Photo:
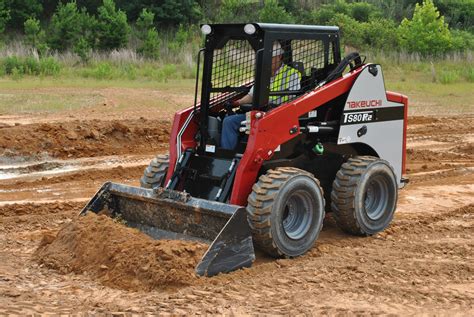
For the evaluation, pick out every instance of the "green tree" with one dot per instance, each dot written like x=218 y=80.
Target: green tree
x=457 y=13
x=83 y=49
x=147 y=33
x=151 y=45
x=359 y=11
x=426 y=32
x=33 y=32
x=322 y=16
x=35 y=35
x=272 y=12
x=180 y=38
x=4 y=15
x=168 y=13
x=463 y=40
x=395 y=9
x=363 y=11
x=351 y=30
x=69 y=24
x=21 y=10
x=113 y=29
x=380 y=34
x=238 y=11
x=144 y=23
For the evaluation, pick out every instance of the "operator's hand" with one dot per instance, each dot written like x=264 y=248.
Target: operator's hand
x=230 y=105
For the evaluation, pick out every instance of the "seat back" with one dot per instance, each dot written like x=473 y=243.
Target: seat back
x=299 y=66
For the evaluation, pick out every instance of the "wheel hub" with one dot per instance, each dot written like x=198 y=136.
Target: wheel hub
x=297 y=216
x=376 y=197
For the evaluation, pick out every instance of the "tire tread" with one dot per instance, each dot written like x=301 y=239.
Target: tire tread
x=155 y=171
x=260 y=203
x=344 y=190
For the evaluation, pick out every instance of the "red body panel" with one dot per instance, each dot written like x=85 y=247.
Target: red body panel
x=187 y=139
x=274 y=128
x=399 y=98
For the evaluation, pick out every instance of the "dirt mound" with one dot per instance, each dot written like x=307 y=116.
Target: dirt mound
x=11 y=210
x=120 y=257
x=84 y=138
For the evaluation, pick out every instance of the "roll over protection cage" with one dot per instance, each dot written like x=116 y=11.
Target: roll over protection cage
x=261 y=42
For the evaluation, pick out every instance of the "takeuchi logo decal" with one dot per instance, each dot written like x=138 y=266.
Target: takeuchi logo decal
x=364 y=104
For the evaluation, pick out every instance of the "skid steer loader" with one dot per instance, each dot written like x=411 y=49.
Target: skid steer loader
x=337 y=143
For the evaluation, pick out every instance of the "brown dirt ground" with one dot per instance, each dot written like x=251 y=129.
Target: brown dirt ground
x=422 y=264
x=83 y=138
x=118 y=256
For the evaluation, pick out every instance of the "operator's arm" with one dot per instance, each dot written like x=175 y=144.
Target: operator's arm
x=244 y=100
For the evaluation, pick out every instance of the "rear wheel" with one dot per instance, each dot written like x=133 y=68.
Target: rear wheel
x=364 y=195
x=155 y=173
x=286 y=211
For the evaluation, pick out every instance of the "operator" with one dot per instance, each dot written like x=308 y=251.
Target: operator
x=283 y=78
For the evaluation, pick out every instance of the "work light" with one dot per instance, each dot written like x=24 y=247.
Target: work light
x=249 y=29
x=206 y=29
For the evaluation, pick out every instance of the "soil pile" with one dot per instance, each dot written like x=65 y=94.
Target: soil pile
x=84 y=138
x=119 y=256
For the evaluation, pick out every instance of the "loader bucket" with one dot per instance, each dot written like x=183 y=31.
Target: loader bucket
x=168 y=214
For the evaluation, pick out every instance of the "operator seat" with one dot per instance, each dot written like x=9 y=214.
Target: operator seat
x=299 y=66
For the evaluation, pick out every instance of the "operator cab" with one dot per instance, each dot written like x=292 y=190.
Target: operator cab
x=237 y=57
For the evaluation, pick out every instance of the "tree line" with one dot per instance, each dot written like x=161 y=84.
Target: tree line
x=428 y=27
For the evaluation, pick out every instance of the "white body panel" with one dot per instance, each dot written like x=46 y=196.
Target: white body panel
x=383 y=134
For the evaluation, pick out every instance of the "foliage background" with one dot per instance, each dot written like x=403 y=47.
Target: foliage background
x=107 y=38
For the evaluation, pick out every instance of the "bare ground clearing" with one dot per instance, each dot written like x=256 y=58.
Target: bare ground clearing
x=422 y=264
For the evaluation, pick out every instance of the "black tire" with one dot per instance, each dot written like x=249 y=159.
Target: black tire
x=286 y=211
x=155 y=173
x=364 y=195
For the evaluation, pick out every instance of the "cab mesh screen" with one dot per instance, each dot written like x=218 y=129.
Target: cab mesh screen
x=307 y=58
x=308 y=52
x=233 y=69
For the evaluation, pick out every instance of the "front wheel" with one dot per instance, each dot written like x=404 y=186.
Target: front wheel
x=155 y=173
x=286 y=211
x=364 y=195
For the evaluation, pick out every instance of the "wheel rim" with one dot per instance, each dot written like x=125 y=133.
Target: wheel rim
x=376 y=197
x=297 y=216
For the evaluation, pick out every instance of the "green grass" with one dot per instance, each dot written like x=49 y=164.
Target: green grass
x=33 y=94
x=14 y=102
x=433 y=88
x=32 y=82
x=427 y=98
x=17 y=67
x=440 y=87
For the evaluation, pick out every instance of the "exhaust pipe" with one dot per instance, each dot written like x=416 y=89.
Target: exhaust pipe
x=168 y=214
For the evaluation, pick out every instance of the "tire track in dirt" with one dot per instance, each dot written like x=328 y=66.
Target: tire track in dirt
x=83 y=178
